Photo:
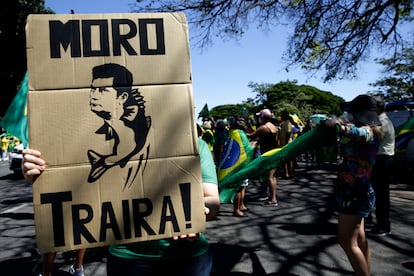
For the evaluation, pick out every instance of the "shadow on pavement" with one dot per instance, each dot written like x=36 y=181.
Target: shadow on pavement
x=409 y=265
x=227 y=256
x=18 y=216
x=32 y=265
x=22 y=266
x=12 y=176
x=311 y=228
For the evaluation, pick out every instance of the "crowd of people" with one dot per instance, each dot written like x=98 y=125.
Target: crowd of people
x=365 y=138
x=266 y=131
x=366 y=141
x=8 y=142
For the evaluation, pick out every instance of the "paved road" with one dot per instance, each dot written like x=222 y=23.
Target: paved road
x=295 y=238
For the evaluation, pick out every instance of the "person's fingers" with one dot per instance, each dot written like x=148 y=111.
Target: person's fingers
x=33 y=152
x=190 y=236
x=32 y=157
x=30 y=171
x=32 y=164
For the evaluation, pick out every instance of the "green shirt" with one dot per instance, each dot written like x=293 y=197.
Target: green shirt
x=169 y=248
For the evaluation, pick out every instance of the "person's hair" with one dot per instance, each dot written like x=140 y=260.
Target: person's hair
x=377 y=130
x=380 y=104
x=122 y=82
x=199 y=130
x=220 y=125
x=122 y=76
x=284 y=113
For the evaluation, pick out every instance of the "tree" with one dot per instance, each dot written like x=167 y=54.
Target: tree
x=13 y=14
x=398 y=80
x=330 y=36
x=303 y=100
x=226 y=110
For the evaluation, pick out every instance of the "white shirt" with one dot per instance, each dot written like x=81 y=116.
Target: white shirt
x=387 y=144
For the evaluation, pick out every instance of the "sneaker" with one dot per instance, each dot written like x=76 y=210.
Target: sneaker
x=379 y=232
x=263 y=198
x=76 y=271
x=268 y=203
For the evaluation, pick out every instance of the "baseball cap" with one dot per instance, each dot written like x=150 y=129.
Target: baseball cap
x=364 y=110
x=265 y=113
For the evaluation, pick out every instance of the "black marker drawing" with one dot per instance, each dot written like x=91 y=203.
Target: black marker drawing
x=123 y=111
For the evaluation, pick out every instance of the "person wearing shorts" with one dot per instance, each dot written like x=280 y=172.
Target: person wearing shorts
x=359 y=143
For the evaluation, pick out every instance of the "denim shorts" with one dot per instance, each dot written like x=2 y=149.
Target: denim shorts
x=357 y=199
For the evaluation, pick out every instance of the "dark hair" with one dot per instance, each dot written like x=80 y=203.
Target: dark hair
x=380 y=104
x=122 y=76
x=199 y=130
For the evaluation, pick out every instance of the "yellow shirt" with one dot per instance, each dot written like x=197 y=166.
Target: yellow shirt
x=4 y=143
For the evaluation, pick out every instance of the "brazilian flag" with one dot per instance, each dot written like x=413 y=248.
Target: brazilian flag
x=317 y=137
x=403 y=134
x=237 y=154
x=15 y=119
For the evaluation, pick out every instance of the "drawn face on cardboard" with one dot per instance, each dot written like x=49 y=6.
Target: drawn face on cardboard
x=104 y=100
x=125 y=124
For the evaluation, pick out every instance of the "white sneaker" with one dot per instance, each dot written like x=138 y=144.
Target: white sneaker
x=76 y=271
x=268 y=203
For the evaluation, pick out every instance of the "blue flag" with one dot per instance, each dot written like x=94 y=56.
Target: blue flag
x=15 y=119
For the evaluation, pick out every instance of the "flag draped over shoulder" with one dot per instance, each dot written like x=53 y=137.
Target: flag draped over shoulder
x=204 y=112
x=403 y=134
x=237 y=154
x=319 y=136
x=15 y=119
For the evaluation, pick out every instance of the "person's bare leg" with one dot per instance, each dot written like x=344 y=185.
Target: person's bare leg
x=48 y=261
x=271 y=178
x=349 y=230
x=242 y=195
x=236 y=211
x=363 y=244
x=287 y=170
x=292 y=168
x=80 y=254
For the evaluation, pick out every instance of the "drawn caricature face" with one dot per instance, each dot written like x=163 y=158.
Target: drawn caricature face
x=125 y=125
x=104 y=100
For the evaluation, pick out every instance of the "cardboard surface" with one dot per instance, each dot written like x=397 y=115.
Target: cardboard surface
x=65 y=120
x=61 y=49
x=73 y=214
x=110 y=107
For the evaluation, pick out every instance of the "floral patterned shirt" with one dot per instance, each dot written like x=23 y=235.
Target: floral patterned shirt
x=359 y=148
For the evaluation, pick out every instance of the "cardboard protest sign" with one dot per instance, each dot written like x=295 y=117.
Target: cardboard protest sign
x=110 y=107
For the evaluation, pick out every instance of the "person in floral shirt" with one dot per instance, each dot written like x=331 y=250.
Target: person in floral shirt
x=359 y=142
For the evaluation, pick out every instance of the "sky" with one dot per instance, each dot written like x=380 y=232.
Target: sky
x=221 y=72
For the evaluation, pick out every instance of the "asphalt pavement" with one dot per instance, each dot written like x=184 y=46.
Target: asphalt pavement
x=298 y=237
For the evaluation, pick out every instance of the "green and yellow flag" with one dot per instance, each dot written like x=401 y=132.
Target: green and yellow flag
x=317 y=137
x=15 y=119
x=237 y=154
x=204 y=112
x=403 y=134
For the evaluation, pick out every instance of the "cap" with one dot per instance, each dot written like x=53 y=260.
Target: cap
x=265 y=113
x=364 y=110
